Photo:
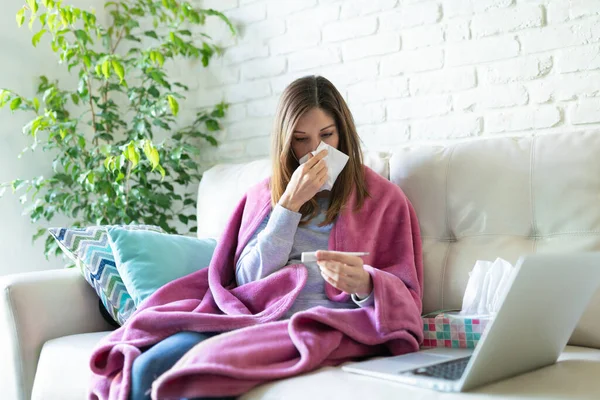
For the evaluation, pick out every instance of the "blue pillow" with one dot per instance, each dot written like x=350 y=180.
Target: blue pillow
x=148 y=260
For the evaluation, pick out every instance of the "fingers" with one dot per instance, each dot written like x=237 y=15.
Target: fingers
x=338 y=281
x=319 y=167
x=318 y=174
x=323 y=179
x=325 y=255
x=336 y=267
x=312 y=161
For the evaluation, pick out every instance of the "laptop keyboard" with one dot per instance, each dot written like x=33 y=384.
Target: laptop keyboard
x=449 y=370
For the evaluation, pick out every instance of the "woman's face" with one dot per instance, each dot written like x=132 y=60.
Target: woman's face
x=312 y=128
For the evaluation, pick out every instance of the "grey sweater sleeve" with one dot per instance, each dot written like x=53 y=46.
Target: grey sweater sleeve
x=269 y=248
x=366 y=302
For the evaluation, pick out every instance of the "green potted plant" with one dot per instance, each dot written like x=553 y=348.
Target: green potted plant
x=108 y=167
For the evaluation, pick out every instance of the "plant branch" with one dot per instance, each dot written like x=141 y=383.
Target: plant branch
x=119 y=38
x=127 y=185
x=89 y=85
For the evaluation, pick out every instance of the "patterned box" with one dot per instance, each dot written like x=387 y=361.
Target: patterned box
x=446 y=330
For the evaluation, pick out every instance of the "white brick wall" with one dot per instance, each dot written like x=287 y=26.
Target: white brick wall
x=411 y=70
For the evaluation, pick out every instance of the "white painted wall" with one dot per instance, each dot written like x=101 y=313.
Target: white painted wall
x=412 y=70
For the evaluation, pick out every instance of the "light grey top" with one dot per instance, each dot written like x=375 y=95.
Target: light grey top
x=280 y=241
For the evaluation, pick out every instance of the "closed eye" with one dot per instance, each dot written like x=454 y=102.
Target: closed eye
x=326 y=135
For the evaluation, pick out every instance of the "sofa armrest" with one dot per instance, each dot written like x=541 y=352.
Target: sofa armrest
x=34 y=308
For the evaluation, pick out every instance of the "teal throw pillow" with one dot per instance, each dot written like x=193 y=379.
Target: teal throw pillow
x=148 y=260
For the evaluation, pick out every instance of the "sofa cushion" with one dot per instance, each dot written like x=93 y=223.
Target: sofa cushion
x=147 y=260
x=63 y=370
x=63 y=374
x=502 y=197
x=89 y=249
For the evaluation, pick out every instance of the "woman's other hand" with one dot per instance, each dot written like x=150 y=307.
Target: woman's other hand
x=305 y=182
x=345 y=272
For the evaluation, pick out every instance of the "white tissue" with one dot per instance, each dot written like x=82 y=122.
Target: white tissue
x=335 y=161
x=488 y=283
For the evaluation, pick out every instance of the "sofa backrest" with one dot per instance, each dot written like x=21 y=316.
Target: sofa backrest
x=476 y=200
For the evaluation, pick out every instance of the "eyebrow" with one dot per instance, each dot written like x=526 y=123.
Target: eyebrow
x=322 y=129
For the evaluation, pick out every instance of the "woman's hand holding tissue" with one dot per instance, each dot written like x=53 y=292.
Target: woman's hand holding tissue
x=345 y=272
x=305 y=182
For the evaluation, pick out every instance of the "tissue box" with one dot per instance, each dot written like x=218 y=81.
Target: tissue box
x=452 y=331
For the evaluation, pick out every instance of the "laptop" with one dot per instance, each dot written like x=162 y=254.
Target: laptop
x=547 y=296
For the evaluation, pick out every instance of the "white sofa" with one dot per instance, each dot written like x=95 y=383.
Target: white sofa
x=477 y=199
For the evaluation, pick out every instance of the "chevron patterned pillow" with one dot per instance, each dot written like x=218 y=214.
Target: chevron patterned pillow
x=90 y=249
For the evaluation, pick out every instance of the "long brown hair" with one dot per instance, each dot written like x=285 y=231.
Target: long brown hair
x=299 y=97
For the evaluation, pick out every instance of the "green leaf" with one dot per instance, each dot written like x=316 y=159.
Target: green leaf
x=108 y=162
x=32 y=20
x=185 y=32
x=211 y=140
x=219 y=111
x=17 y=184
x=36 y=104
x=132 y=154
x=212 y=125
x=161 y=170
x=106 y=69
x=119 y=70
x=222 y=17
x=151 y=154
x=183 y=219
x=133 y=38
x=37 y=37
x=51 y=20
x=21 y=17
x=157 y=57
x=15 y=103
x=194 y=17
x=82 y=35
x=151 y=34
x=33 y=5
x=4 y=97
x=105 y=136
x=181 y=85
x=75 y=98
x=87 y=61
x=173 y=104
x=153 y=91
x=39 y=234
x=161 y=123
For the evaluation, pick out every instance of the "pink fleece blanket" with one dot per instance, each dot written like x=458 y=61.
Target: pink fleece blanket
x=258 y=347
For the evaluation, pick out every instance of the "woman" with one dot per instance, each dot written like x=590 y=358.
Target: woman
x=274 y=224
